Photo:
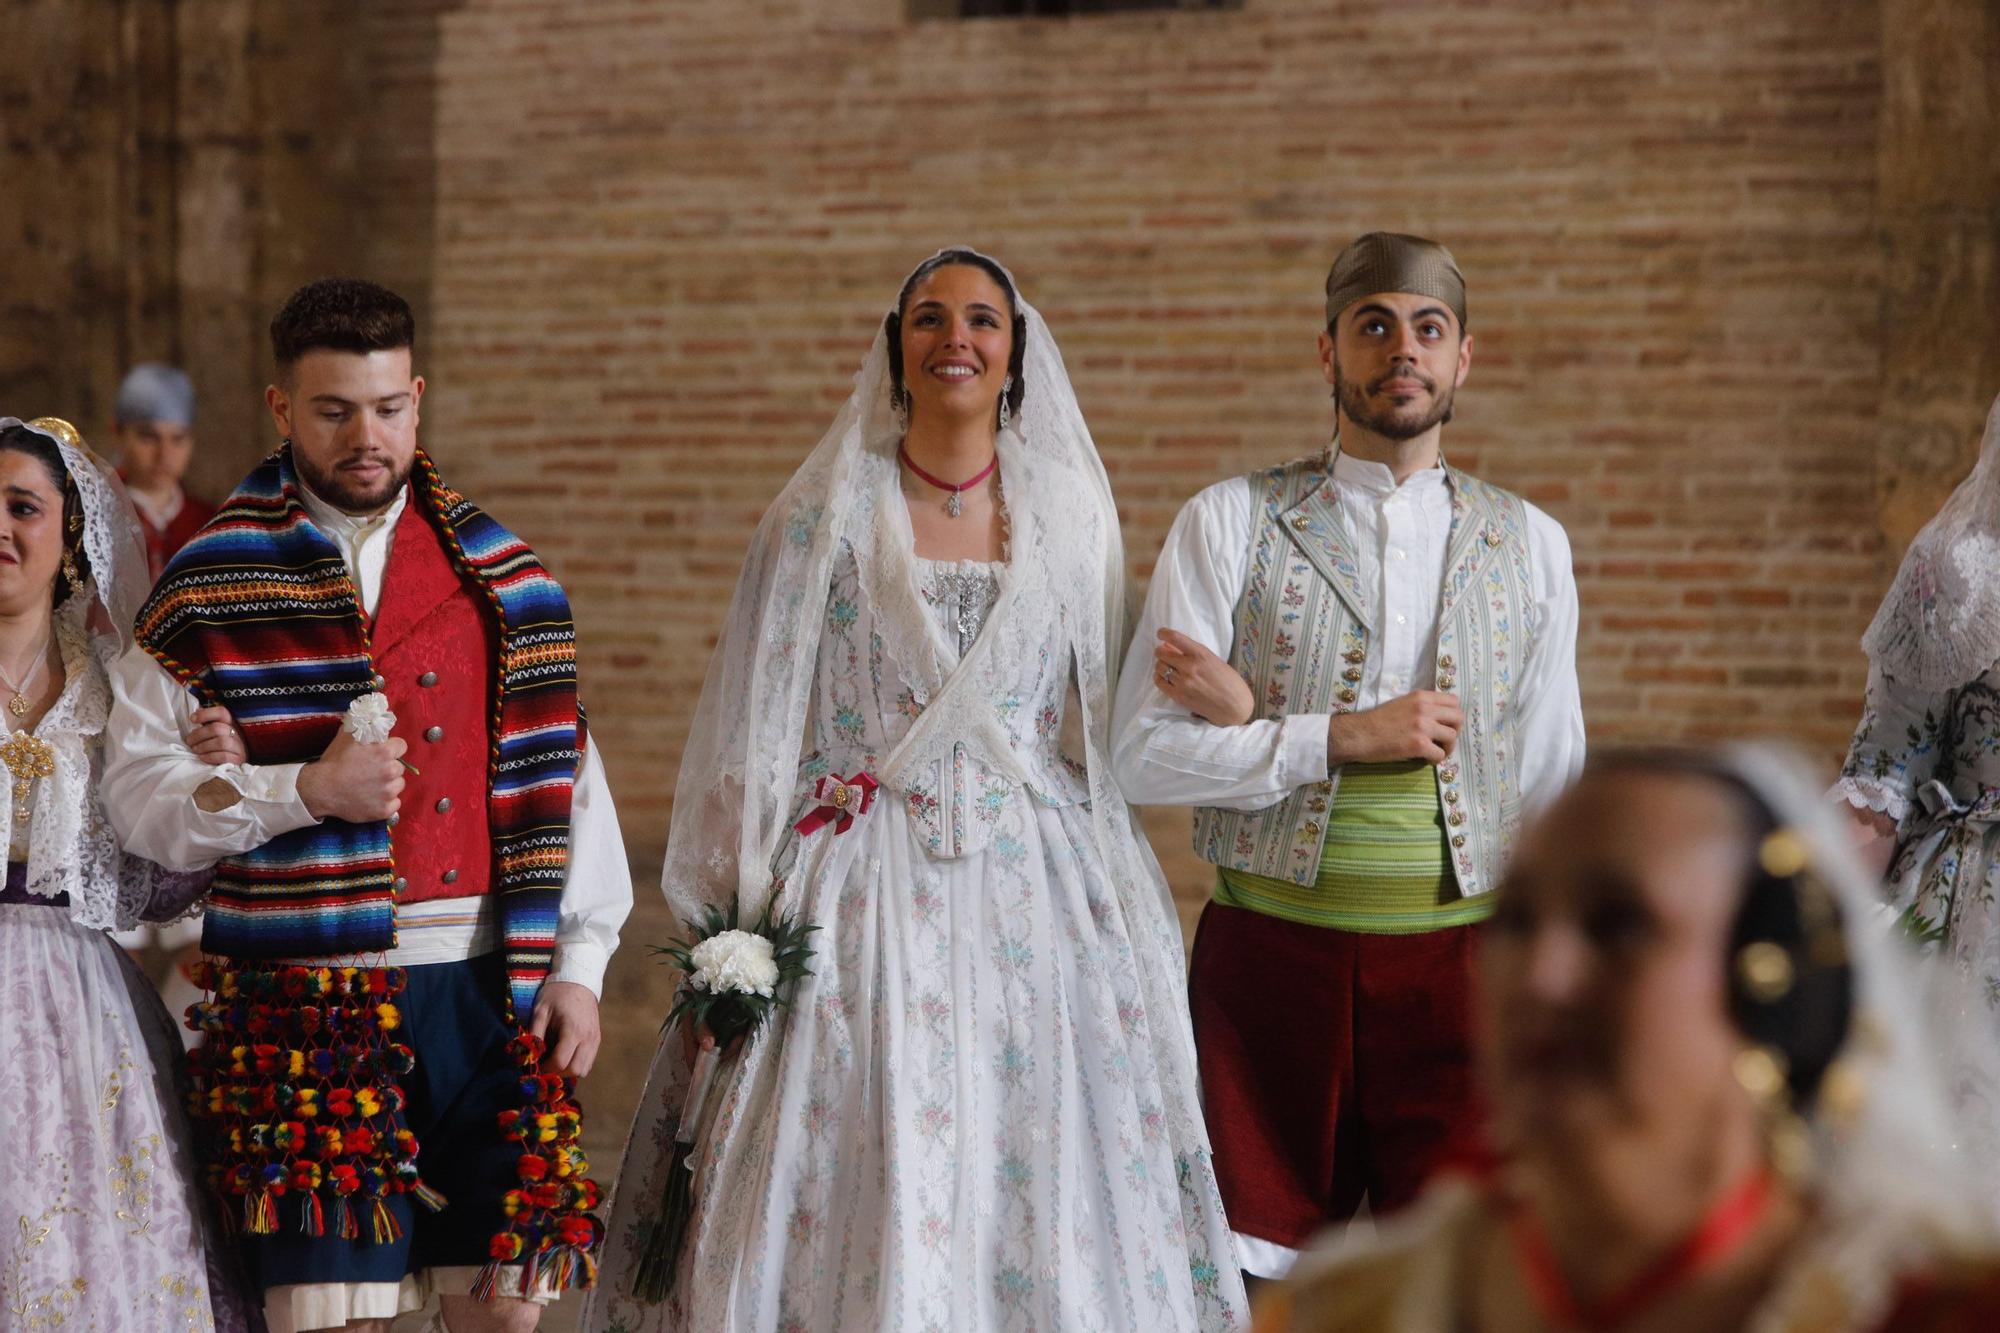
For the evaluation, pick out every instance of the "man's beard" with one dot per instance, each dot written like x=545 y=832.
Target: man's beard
x=1391 y=423
x=336 y=490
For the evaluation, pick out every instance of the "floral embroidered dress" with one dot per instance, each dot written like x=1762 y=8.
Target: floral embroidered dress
x=1930 y=760
x=980 y=1113
x=100 y=1222
x=1927 y=750
x=102 y=1225
x=954 y=1127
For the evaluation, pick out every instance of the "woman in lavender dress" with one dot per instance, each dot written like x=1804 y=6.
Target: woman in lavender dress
x=101 y=1223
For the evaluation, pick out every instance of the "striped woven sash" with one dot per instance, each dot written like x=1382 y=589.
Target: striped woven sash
x=1385 y=868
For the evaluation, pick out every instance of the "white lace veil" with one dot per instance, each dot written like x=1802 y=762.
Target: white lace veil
x=1939 y=626
x=1907 y=1160
x=120 y=577
x=71 y=848
x=1065 y=580
x=740 y=768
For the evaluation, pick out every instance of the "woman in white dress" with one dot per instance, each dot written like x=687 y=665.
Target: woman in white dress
x=980 y=1111
x=1922 y=777
x=101 y=1222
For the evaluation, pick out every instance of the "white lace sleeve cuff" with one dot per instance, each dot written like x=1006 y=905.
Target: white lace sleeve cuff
x=1870 y=794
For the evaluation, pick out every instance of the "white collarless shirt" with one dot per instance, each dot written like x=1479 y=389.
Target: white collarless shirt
x=362 y=540
x=1164 y=755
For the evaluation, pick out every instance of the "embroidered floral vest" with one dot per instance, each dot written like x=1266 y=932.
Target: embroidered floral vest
x=1305 y=626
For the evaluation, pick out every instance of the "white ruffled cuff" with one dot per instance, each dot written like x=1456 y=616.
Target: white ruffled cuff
x=1872 y=794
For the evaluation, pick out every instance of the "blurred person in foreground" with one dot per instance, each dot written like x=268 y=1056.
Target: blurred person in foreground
x=1726 y=1095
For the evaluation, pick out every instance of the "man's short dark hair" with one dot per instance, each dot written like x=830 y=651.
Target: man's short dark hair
x=343 y=315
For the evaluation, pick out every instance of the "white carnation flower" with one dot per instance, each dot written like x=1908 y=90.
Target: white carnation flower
x=368 y=719
x=735 y=960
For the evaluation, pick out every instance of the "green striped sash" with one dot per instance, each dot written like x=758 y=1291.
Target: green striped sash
x=1385 y=869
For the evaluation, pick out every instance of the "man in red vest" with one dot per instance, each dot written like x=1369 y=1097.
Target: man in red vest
x=155 y=433
x=153 y=426
x=480 y=909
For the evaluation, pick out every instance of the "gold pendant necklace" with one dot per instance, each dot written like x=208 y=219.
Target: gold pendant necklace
x=19 y=705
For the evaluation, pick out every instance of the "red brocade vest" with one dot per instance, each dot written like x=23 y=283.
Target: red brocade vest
x=434 y=640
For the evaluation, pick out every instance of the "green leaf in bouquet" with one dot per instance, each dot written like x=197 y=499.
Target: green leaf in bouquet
x=727 y=1014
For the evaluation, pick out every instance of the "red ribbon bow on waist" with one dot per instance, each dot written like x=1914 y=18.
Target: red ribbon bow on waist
x=841 y=799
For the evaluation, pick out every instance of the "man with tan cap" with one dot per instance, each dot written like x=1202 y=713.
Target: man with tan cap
x=1362 y=670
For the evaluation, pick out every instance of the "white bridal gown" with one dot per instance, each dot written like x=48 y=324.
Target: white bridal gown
x=960 y=1123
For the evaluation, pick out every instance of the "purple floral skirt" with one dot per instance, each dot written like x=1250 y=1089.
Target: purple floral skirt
x=112 y=1231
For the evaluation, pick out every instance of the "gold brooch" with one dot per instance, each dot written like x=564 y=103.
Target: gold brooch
x=27 y=758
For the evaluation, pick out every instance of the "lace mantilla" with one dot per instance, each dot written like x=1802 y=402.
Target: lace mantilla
x=69 y=845
x=1939 y=626
x=1061 y=591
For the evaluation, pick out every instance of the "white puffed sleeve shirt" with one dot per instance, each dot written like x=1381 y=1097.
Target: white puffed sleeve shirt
x=151 y=775
x=1164 y=755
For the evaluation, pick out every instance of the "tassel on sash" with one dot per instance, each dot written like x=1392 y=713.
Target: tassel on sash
x=295 y=1087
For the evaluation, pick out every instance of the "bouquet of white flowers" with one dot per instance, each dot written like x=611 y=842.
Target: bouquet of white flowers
x=732 y=981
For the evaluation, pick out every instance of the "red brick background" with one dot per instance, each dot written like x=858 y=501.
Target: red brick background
x=1731 y=267
x=663 y=244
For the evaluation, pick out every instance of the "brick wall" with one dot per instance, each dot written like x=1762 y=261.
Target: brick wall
x=664 y=233
x=667 y=229
x=86 y=200
x=650 y=240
